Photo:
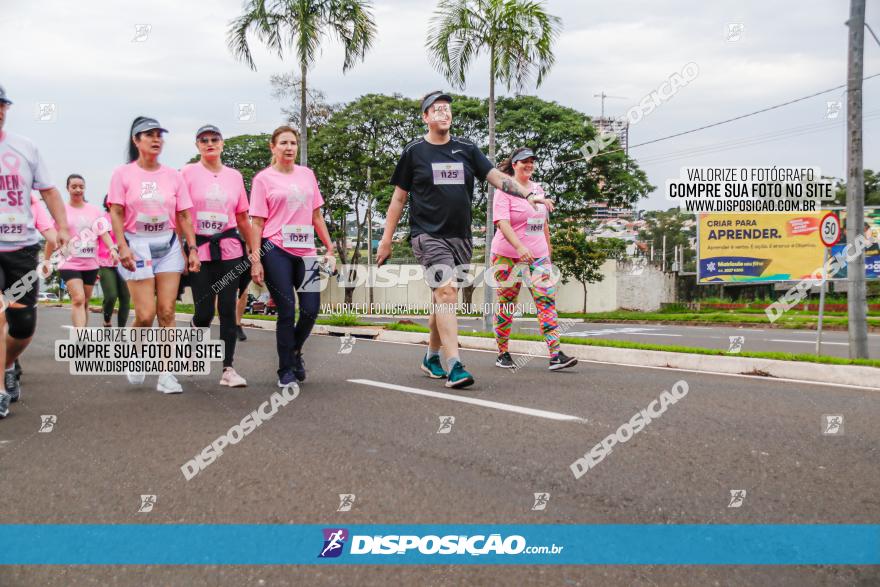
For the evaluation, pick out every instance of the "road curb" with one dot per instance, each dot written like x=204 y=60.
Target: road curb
x=856 y=375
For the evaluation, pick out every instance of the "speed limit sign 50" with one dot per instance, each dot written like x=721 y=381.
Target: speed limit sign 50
x=829 y=229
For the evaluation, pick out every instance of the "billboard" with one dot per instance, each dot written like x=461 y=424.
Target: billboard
x=758 y=248
x=872 y=253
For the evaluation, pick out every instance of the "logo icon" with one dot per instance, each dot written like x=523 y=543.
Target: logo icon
x=541 y=500
x=734 y=31
x=346 y=344
x=46 y=112
x=47 y=423
x=141 y=32
x=832 y=424
x=736 y=344
x=833 y=109
x=147 y=503
x=346 y=500
x=638 y=266
x=737 y=497
x=246 y=112
x=454 y=151
x=446 y=423
x=334 y=541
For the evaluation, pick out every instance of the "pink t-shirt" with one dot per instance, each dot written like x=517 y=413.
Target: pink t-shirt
x=84 y=252
x=287 y=201
x=216 y=199
x=104 y=258
x=527 y=223
x=42 y=220
x=151 y=198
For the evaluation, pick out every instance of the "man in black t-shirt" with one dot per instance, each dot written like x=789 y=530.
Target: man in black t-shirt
x=437 y=173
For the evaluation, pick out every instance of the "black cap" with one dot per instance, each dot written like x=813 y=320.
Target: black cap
x=3 y=97
x=208 y=128
x=433 y=97
x=147 y=124
x=523 y=155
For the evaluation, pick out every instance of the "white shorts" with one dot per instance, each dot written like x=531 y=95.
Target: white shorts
x=146 y=266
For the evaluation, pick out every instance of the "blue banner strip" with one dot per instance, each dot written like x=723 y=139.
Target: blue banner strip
x=219 y=544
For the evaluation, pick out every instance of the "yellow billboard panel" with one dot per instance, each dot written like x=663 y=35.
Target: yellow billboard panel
x=753 y=248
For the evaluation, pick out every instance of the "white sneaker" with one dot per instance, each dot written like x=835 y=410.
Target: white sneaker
x=135 y=378
x=168 y=384
x=232 y=379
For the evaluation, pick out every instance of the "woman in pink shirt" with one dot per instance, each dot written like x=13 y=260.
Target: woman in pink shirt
x=112 y=284
x=286 y=215
x=79 y=270
x=149 y=203
x=220 y=205
x=523 y=237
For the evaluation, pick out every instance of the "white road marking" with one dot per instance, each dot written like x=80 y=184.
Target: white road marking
x=654 y=334
x=807 y=341
x=473 y=401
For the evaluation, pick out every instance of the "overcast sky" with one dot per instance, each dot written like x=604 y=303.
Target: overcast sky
x=83 y=57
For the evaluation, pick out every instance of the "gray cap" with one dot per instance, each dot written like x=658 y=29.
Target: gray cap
x=523 y=155
x=3 y=97
x=147 y=124
x=433 y=97
x=208 y=128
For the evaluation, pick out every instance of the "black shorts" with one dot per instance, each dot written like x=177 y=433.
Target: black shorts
x=14 y=265
x=89 y=276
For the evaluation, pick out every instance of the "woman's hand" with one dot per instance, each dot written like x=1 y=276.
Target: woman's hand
x=195 y=263
x=257 y=272
x=542 y=200
x=330 y=262
x=524 y=254
x=126 y=257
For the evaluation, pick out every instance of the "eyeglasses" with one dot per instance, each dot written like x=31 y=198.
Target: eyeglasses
x=210 y=140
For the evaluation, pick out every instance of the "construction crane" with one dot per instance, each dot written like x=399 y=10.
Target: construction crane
x=603 y=95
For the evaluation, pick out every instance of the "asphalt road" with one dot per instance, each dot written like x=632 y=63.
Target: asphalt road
x=834 y=342
x=113 y=442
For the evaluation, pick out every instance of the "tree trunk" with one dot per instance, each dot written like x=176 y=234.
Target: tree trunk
x=303 y=120
x=584 y=285
x=490 y=229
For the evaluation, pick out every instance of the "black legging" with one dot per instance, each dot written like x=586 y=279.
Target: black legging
x=218 y=282
x=287 y=278
x=114 y=288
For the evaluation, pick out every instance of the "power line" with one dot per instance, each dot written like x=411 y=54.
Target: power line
x=714 y=124
x=750 y=141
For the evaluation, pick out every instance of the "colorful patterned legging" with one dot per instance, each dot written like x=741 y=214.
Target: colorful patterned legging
x=543 y=290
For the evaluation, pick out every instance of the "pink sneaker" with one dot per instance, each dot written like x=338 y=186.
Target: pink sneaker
x=232 y=379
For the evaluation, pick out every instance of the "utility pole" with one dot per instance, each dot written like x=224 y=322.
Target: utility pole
x=663 y=258
x=369 y=232
x=857 y=308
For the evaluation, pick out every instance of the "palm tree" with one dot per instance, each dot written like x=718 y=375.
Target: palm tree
x=301 y=25
x=518 y=35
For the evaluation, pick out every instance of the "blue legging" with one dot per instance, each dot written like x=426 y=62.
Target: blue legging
x=285 y=276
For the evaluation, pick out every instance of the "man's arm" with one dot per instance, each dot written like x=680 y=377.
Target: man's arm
x=56 y=208
x=392 y=217
x=509 y=185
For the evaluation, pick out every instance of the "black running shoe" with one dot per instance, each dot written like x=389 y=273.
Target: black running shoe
x=13 y=387
x=4 y=404
x=239 y=332
x=562 y=361
x=17 y=367
x=299 y=366
x=504 y=361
